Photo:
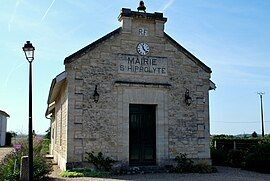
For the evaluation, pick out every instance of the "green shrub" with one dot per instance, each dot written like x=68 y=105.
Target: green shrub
x=46 y=145
x=48 y=134
x=258 y=159
x=7 y=168
x=10 y=168
x=235 y=158
x=184 y=164
x=41 y=167
x=266 y=139
x=100 y=162
x=229 y=142
x=218 y=156
x=251 y=154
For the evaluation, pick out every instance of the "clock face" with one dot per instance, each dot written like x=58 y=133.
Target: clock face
x=143 y=48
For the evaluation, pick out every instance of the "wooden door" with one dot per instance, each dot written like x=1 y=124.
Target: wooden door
x=142 y=134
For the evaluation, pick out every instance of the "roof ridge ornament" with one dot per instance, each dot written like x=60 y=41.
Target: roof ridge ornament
x=141 y=7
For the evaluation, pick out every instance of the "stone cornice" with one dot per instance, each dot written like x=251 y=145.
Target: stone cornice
x=142 y=83
x=135 y=14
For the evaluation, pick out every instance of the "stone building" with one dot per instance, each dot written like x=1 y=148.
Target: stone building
x=3 y=127
x=135 y=95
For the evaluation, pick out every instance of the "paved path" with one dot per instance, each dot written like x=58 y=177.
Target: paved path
x=224 y=174
x=4 y=151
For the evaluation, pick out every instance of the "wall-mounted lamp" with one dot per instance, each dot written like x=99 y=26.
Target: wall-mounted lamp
x=96 y=95
x=188 y=99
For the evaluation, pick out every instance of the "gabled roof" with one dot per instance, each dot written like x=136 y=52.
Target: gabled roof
x=188 y=54
x=4 y=113
x=91 y=46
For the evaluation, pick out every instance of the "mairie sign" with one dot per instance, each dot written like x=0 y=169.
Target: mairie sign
x=147 y=65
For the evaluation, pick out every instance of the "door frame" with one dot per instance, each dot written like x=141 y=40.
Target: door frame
x=147 y=95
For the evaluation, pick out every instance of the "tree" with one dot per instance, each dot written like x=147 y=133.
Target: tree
x=48 y=133
x=13 y=134
x=254 y=135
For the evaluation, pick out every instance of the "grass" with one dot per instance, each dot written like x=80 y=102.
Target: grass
x=83 y=172
x=71 y=174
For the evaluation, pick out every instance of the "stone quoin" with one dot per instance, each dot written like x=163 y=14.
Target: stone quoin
x=136 y=95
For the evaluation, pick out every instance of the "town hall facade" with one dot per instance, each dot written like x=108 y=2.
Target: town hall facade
x=136 y=95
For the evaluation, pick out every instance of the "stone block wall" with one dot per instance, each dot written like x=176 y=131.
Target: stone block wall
x=59 y=128
x=103 y=126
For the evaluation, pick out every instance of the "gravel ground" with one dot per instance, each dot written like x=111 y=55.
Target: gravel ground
x=224 y=174
x=4 y=151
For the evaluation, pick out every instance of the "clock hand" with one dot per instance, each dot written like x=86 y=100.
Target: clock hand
x=144 y=48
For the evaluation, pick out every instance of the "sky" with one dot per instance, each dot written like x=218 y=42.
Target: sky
x=232 y=37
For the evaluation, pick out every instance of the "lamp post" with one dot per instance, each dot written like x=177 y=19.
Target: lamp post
x=29 y=54
x=261 y=98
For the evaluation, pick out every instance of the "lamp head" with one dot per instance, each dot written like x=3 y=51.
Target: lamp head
x=29 y=51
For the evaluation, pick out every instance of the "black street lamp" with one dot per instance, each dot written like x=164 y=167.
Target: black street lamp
x=29 y=54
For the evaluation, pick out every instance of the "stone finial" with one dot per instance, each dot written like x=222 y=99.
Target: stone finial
x=141 y=7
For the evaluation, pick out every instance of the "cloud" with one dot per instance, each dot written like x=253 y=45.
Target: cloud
x=11 y=73
x=13 y=15
x=45 y=14
x=167 y=5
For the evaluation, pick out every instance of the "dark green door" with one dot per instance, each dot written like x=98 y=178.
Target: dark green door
x=142 y=134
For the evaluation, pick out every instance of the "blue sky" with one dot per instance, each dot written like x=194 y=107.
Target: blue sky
x=232 y=37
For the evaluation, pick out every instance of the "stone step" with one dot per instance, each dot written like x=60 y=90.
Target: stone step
x=49 y=158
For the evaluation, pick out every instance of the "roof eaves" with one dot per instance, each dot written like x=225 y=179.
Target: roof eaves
x=212 y=85
x=58 y=78
x=4 y=113
x=187 y=53
x=51 y=90
x=91 y=46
